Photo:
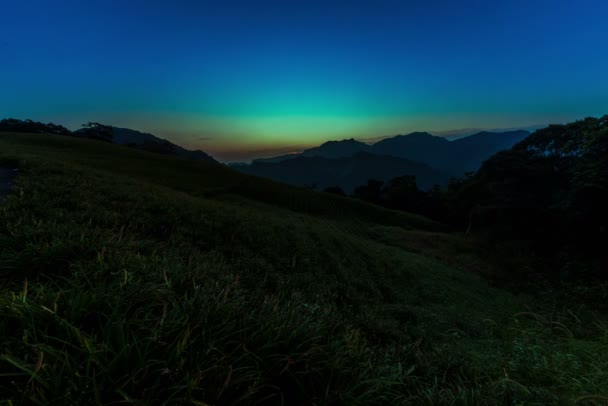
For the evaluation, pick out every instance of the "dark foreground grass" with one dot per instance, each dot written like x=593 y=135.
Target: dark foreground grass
x=125 y=280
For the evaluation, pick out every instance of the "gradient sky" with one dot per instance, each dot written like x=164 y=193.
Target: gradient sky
x=253 y=78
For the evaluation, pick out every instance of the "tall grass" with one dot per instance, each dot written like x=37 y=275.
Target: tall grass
x=129 y=282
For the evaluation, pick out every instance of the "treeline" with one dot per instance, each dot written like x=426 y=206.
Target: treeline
x=547 y=196
x=29 y=126
x=88 y=130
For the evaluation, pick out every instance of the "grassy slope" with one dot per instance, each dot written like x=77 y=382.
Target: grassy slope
x=194 y=177
x=133 y=276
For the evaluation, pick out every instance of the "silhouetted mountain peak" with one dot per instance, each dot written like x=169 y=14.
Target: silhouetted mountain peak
x=347 y=171
x=348 y=141
x=452 y=157
x=417 y=136
x=337 y=149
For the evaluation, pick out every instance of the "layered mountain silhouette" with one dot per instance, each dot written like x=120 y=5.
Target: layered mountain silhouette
x=347 y=163
x=454 y=157
x=350 y=163
x=347 y=172
x=329 y=149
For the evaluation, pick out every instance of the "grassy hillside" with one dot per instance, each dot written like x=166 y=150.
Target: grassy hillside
x=193 y=177
x=133 y=277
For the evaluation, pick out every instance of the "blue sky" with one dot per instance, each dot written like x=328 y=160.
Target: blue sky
x=240 y=78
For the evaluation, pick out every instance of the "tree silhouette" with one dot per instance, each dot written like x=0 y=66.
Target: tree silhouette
x=34 y=127
x=371 y=192
x=335 y=190
x=96 y=131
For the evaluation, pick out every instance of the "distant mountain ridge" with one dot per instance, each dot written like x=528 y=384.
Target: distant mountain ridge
x=350 y=163
x=338 y=149
x=454 y=157
x=329 y=149
x=347 y=172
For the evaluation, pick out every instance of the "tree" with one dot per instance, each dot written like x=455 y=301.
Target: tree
x=371 y=192
x=402 y=193
x=34 y=127
x=337 y=190
x=96 y=131
x=551 y=190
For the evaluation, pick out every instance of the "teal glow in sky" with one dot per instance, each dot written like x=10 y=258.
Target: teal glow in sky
x=246 y=78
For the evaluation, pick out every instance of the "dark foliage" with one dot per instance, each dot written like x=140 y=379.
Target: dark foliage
x=96 y=131
x=561 y=171
x=345 y=172
x=33 y=127
x=549 y=191
x=371 y=192
x=337 y=190
x=402 y=193
x=547 y=196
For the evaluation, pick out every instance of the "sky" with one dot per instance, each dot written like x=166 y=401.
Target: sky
x=241 y=79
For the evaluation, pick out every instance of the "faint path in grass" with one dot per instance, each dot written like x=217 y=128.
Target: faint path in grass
x=7 y=176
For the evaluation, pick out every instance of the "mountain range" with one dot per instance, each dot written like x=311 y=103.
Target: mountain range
x=349 y=163
x=346 y=163
x=453 y=157
x=347 y=172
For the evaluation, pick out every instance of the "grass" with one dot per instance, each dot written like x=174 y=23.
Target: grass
x=140 y=278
